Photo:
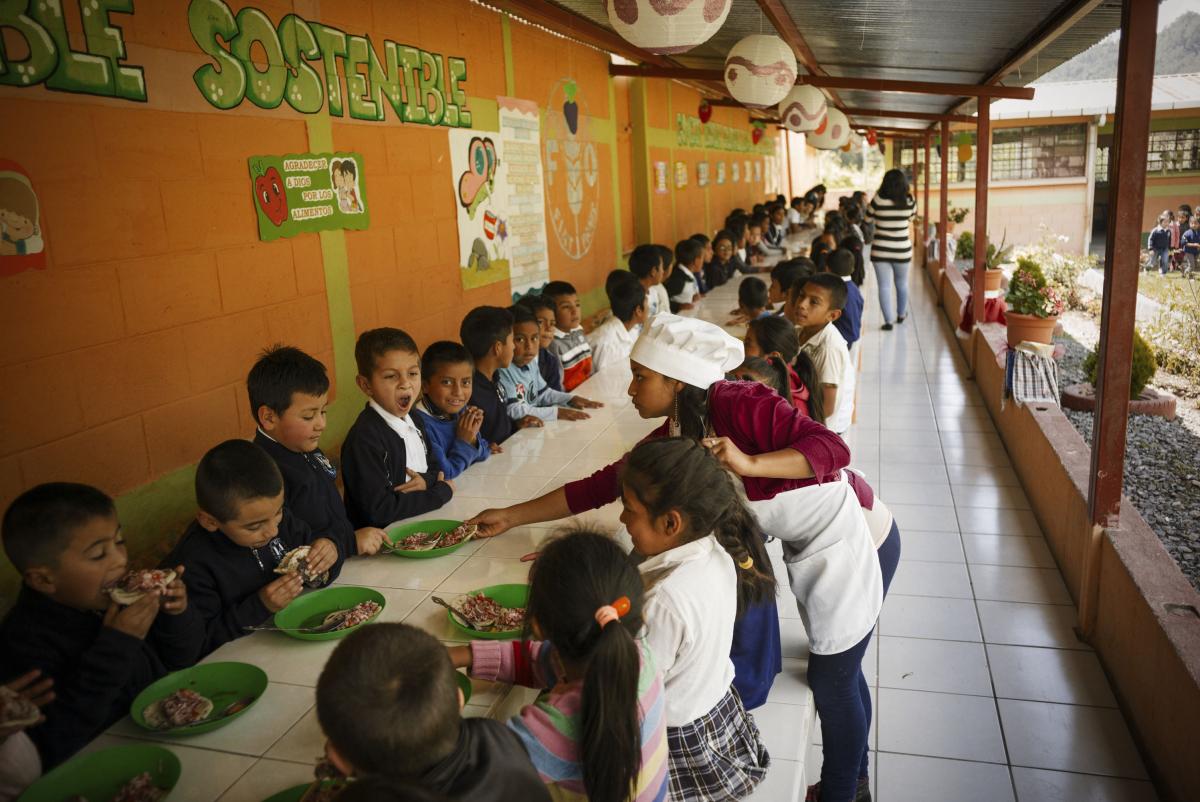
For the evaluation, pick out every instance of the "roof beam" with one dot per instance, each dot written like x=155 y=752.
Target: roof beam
x=785 y=26
x=910 y=115
x=832 y=82
x=575 y=26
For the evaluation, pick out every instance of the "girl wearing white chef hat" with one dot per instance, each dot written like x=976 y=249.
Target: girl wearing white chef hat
x=678 y=367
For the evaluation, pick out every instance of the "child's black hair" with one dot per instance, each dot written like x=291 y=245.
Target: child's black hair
x=348 y=167
x=374 y=343
x=537 y=303
x=522 y=314
x=40 y=522
x=443 y=352
x=701 y=238
x=233 y=472
x=736 y=227
x=643 y=260
x=855 y=246
x=785 y=274
x=625 y=295
x=752 y=294
x=556 y=289
x=280 y=372
x=678 y=473
x=806 y=372
x=483 y=327
x=387 y=700
x=775 y=335
x=773 y=369
x=759 y=219
x=723 y=234
x=573 y=577
x=836 y=287
x=688 y=251
x=840 y=263
x=666 y=255
x=818 y=252
x=757 y=209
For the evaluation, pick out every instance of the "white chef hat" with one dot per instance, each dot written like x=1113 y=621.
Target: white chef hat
x=692 y=351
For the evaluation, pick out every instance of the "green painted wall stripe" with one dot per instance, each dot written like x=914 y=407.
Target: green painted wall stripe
x=643 y=178
x=510 y=81
x=615 y=167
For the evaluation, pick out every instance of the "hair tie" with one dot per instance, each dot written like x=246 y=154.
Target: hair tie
x=747 y=563
x=612 y=612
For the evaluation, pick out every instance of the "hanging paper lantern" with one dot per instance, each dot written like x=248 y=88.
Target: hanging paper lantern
x=705 y=111
x=833 y=133
x=760 y=70
x=803 y=109
x=667 y=27
x=964 y=152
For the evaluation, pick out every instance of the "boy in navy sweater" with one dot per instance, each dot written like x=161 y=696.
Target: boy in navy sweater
x=389 y=472
x=289 y=392
x=548 y=364
x=841 y=264
x=451 y=423
x=66 y=542
x=487 y=334
x=241 y=532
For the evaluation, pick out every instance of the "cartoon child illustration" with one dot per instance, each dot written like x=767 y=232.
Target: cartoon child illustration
x=19 y=231
x=345 y=181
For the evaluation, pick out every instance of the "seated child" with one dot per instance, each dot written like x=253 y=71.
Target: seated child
x=597 y=731
x=66 y=542
x=783 y=276
x=681 y=285
x=569 y=344
x=724 y=262
x=813 y=307
x=612 y=340
x=241 y=532
x=775 y=337
x=387 y=468
x=20 y=765
x=756 y=249
x=487 y=334
x=705 y=563
x=753 y=300
x=525 y=393
x=701 y=279
x=389 y=706
x=548 y=364
x=451 y=423
x=841 y=264
x=776 y=228
x=288 y=394
x=646 y=263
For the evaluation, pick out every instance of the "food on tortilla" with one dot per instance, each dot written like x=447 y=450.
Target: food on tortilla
x=418 y=541
x=360 y=613
x=136 y=584
x=16 y=710
x=328 y=784
x=297 y=560
x=489 y=615
x=459 y=534
x=424 y=541
x=140 y=789
x=180 y=709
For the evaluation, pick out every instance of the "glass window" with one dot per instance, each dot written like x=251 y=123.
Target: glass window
x=1048 y=151
x=1173 y=151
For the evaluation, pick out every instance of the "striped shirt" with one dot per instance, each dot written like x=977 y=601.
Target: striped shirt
x=572 y=349
x=892 y=241
x=550 y=727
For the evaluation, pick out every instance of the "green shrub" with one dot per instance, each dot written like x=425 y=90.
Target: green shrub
x=1141 y=371
x=966 y=246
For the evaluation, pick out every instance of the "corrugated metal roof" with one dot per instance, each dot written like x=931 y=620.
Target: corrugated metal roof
x=1089 y=98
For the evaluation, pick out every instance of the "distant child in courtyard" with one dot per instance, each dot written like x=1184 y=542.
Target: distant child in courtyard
x=450 y=422
x=612 y=340
x=569 y=344
x=549 y=365
x=647 y=265
x=1191 y=246
x=813 y=307
x=388 y=470
x=525 y=392
x=1159 y=243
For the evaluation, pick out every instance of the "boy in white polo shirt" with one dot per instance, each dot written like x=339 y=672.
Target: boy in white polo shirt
x=812 y=308
x=613 y=340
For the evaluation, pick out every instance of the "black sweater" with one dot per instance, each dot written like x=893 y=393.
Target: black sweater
x=489 y=764
x=487 y=395
x=310 y=492
x=373 y=463
x=97 y=671
x=224 y=578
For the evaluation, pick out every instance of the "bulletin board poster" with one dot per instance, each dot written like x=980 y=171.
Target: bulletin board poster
x=702 y=174
x=747 y=176
x=475 y=159
x=735 y=176
x=522 y=226
x=681 y=172
x=660 y=178
x=720 y=172
x=22 y=229
x=758 y=173
x=306 y=192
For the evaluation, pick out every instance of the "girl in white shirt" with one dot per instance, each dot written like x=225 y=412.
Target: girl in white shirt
x=706 y=562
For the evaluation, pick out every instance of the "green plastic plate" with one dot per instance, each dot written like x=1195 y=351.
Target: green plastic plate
x=310 y=610
x=294 y=793
x=404 y=530
x=508 y=596
x=100 y=775
x=223 y=683
x=464 y=684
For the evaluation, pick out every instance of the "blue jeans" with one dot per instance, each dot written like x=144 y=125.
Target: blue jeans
x=887 y=274
x=1163 y=258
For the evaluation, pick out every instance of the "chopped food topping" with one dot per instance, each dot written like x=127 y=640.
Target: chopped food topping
x=140 y=789
x=360 y=613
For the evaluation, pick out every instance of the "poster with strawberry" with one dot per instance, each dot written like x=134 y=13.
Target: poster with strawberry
x=300 y=193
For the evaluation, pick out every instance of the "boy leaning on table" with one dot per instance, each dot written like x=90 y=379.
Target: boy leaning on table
x=241 y=533
x=66 y=542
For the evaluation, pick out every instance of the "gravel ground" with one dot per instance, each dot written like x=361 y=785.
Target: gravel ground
x=1162 y=470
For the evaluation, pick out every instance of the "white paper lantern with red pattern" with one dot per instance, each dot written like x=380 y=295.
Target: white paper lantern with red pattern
x=667 y=26
x=760 y=70
x=834 y=133
x=803 y=109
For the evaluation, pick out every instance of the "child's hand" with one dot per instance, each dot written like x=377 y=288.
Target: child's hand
x=38 y=691
x=134 y=620
x=495 y=448
x=460 y=656
x=530 y=422
x=321 y=556
x=174 y=598
x=468 y=426
x=729 y=455
x=442 y=478
x=566 y=413
x=415 y=483
x=279 y=594
x=579 y=402
x=369 y=540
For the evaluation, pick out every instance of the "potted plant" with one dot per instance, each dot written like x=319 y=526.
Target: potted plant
x=955 y=216
x=992 y=259
x=1143 y=400
x=1033 y=305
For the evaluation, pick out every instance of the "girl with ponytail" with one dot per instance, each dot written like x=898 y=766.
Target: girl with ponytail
x=776 y=337
x=599 y=732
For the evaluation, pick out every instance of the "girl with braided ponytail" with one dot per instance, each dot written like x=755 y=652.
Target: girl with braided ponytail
x=598 y=734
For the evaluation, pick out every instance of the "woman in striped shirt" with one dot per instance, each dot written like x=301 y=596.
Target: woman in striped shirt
x=891 y=210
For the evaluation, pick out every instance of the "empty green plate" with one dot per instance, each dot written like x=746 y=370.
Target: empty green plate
x=310 y=609
x=506 y=595
x=404 y=530
x=223 y=683
x=100 y=775
x=294 y=793
x=464 y=684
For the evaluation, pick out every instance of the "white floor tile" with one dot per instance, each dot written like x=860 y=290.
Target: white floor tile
x=1029 y=624
x=516 y=543
x=942 y=666
x=1049 y=675
x=390 y=571
x=1028 y=552
x=1092 y=740
x=783 y=783
x=939 y=725
x=1011 y=498
x=285 y=659
x=516 y=486
x=982 y=475
x=929 y=617
x=791 y=686
x=977 y=457
x=920 y=517
x=992 y=521
x=784 y=728
x=480 y=572
x=1006 y=583
x=814 y=760
x=267 y=778
x=914 y=578
x=303 y=743
x=933 y=493
x=912 y=778
x=937 y=547
x=793 y=638
x=1039 y=785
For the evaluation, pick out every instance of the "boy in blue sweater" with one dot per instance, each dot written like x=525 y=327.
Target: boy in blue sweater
x=525 y=391
x=451 y=423
x=841 y=264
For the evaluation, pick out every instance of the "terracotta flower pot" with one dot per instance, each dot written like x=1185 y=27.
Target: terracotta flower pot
x=1030 y=327
x=992 y=279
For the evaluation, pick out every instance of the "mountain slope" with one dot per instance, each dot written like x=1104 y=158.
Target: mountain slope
x=1177 y=51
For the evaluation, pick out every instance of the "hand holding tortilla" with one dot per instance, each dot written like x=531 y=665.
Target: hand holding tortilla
x=135 y=619
x=310 y=562
x=281 y=592
x=136 y=584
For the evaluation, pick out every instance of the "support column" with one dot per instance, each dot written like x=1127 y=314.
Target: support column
x=944 y=202
x=925 y=215
x=1122 y=256
x=1089 y=203
x=983 y=159
x=643 y=170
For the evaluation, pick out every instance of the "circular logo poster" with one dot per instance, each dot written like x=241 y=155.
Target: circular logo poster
x=572 y=170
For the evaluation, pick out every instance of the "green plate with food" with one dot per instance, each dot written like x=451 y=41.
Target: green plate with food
x=135 y=773
x=464 y=685
x=328 y=789
x=199 y=699
x=331 y=613
x=496 y=612
x=423 y=540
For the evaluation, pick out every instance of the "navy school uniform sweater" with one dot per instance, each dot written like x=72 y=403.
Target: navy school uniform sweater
x=489 y=764
x=849 y=325
x=97 y=671
x=550 y=366
x=310 y=492
x=373 y=464
x=487 y=394
x=223 y=578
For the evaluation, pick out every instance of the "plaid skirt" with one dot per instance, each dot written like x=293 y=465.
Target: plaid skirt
x=719 y=756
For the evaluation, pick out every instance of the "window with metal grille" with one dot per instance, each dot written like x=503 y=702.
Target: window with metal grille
x=1028 y=153
x=1173 y=151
